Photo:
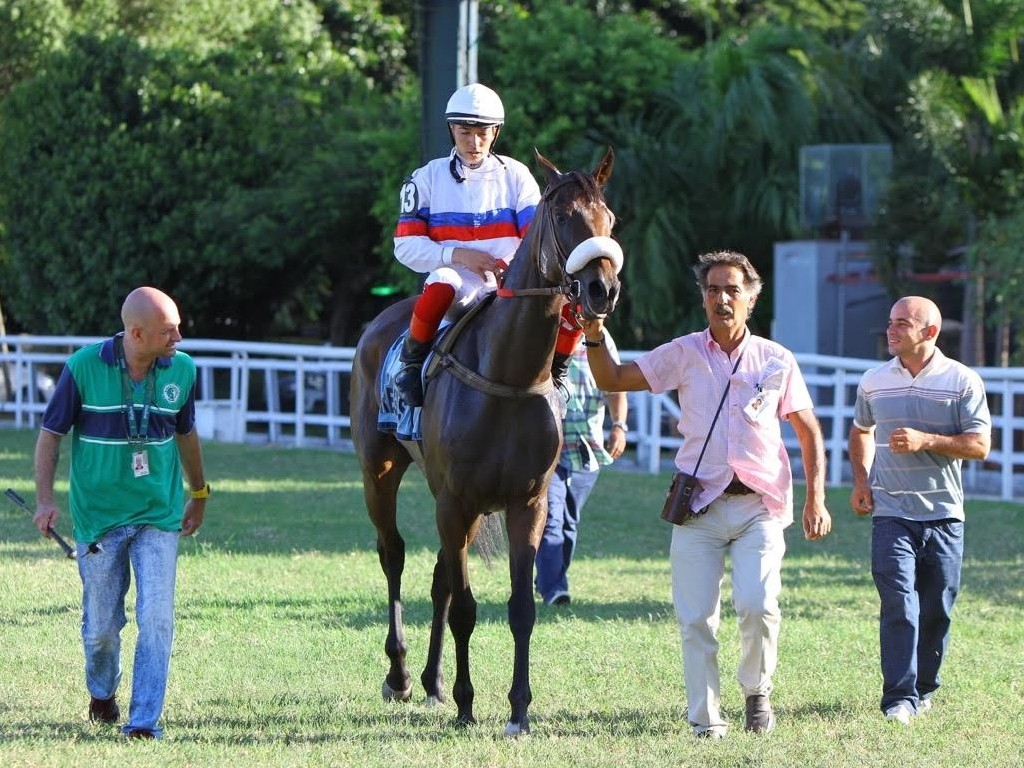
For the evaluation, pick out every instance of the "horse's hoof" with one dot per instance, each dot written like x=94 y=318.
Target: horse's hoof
x=516 y=730
x=435 y=701
x=390 y=694
x=465 y=721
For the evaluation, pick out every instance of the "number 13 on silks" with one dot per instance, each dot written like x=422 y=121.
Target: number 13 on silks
x=409 y=200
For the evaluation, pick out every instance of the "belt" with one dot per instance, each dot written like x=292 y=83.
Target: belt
x=736 y=488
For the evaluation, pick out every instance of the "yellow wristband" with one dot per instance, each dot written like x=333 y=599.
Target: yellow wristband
x=202 y=493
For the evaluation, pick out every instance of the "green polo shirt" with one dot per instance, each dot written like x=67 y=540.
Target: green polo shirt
x=90 y=404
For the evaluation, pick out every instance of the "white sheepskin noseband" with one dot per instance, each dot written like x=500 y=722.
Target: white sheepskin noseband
x=594 y=248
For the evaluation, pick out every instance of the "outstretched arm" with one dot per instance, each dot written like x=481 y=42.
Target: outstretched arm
x=609 y=375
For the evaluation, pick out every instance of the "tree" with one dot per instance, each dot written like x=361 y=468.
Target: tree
x=564 y=73
x=959 y=107
x=225 y=173
x=29 y=31
x=713 y=164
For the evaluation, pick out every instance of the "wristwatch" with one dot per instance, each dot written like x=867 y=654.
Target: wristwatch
x=202 y=493
x=621 y=425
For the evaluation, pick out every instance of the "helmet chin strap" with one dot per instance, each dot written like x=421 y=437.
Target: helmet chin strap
x=453 y=165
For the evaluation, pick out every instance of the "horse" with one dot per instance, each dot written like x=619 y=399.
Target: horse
x=491 y=430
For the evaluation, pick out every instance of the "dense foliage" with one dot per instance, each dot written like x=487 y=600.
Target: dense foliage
x=229 y=166
x=247 y=159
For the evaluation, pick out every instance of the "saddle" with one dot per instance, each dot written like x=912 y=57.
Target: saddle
x=395 y=415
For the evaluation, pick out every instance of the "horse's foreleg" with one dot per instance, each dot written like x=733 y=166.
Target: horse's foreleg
x=524 y=525
x=440 y=597
x=380 y=491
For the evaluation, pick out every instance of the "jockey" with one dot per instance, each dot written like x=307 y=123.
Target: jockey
x=461 y=220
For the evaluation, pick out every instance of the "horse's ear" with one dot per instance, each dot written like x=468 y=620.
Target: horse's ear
x=552 y=171
x=603 y=171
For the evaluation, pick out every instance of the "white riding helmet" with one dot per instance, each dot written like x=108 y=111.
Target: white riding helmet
x=475 y=104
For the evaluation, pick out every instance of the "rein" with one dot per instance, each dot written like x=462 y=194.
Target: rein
x=570 y=288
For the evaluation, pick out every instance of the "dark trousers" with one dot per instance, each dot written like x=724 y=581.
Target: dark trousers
x=916 y=568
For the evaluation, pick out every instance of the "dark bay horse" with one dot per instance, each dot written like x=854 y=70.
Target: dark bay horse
x=491 y=431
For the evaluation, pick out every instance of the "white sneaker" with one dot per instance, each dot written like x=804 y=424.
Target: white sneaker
x=709 y=733
x=900 y=713
x=923 y=705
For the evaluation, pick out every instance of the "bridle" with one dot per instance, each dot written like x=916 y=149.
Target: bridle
x=568 y=286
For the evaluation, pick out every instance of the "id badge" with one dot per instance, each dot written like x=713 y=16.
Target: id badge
x=757 y=406
x=140 y=463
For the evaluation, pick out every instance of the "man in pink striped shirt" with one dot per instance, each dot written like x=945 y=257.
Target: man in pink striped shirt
x=745 y=485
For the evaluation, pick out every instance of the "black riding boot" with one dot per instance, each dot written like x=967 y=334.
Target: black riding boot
x=560 y=374
x=409 y=380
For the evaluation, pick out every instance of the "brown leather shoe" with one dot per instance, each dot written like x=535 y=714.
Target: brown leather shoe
x=104 y=710
x=760 y=718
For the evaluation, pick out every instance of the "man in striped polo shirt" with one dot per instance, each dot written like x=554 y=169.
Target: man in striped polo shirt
x=916 y=419
x=129 y=405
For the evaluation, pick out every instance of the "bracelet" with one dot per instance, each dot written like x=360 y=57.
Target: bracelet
x=202 y=493
x=621 y=425
x=588 y=343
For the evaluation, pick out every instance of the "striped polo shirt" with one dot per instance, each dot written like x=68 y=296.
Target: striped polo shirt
x=945 y=398
x=89 y=403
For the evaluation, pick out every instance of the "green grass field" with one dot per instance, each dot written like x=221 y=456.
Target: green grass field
x=279 y=659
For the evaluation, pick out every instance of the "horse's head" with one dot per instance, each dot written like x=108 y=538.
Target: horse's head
x=574 y=245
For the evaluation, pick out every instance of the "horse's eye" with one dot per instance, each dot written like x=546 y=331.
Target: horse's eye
x=561 y=217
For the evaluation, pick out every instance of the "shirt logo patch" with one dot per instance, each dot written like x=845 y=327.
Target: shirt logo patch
x=171 y=393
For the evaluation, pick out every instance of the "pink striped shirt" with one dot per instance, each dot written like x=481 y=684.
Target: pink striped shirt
x=747 y=439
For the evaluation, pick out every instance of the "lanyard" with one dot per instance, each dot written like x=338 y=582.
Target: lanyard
x=138 y=431
x=728 y=383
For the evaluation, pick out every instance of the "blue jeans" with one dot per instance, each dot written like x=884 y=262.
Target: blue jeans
x=916 y=568
x=567 y=494
x=152 y=555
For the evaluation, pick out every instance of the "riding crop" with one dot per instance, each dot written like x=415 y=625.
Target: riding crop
x=68 y=550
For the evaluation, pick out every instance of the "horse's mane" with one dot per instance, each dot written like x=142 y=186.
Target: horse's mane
x=591 y=191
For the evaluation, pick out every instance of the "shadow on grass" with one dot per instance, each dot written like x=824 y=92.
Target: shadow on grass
x=28 y=617
x=319 y=719
x=342 y=612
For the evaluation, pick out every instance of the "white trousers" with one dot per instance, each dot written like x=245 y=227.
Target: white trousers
x=468 y=285
x=741 y=527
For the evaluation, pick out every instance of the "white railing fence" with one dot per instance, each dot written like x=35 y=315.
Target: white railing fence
x=297 y=394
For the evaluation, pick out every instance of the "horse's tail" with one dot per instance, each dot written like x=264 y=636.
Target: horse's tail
x=491 y=540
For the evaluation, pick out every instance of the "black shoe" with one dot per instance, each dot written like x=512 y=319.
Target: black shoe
x=409 y=380
x=139 y=733
x=560 y=374
x=760 y=718
x=104 y=710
